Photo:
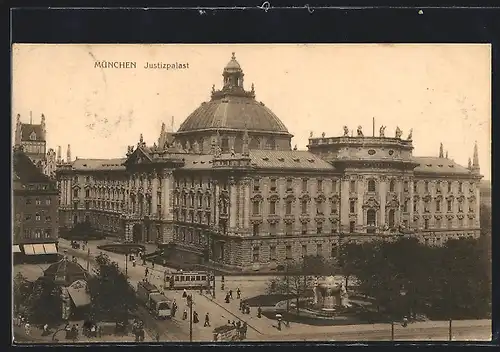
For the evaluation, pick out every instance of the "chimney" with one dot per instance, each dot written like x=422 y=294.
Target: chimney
x=31 y=118
x=68 y=154
x=441 y=155
x=59 y=154
x=42 y=123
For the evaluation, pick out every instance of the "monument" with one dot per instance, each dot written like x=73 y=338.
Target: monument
x=330 y=295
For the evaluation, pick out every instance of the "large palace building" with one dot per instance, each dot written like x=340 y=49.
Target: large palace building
x=227 y=188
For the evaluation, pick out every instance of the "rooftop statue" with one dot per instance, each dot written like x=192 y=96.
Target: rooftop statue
x=382 y=131
x=295 y=147
x=398 y=132
x=311 y=134
x=188 y=146
x=323 y=135
x=196 y=147
x=232 y=151
x=346 y=131
x=360 y=131
x=410 y=135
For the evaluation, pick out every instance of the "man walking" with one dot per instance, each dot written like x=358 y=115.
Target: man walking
x=207 y=320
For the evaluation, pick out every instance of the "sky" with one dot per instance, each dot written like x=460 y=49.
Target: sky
x=441 y=91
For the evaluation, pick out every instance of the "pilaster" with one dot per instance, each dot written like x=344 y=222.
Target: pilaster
x=246 y=207
x=154 y=193
x=344 y=203
x=383 y=199
x=233 y=205
x=360 y=190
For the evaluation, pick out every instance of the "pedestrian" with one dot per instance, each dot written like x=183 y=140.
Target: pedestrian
x=195 y=317
x=222 y=286
x=153 y=264
x=207 y=320
x=45 y=329
x=233 y=323
x=229 y=322
x=184 y=314
x=231 y=294
x=157 y=337
x=227 y=298
x=133 y=263
x=238 y=324
x=238 y=293
x=184 y=293
x=201 y=290
x=27 y=328
x=259 y=312
x=241 y=305
x=146 y=272
x=244 y=328
x=248 y=309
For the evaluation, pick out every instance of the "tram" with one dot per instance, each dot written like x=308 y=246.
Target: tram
x=190 y=280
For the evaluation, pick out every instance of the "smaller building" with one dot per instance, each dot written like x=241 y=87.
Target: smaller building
x=35 y=201
x=65 y=272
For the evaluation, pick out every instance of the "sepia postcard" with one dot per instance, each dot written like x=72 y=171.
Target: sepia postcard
x=214 y=193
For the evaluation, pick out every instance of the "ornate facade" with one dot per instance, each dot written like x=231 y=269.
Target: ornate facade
x=227 y=188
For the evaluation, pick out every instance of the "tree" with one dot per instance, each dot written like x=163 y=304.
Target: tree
x=22 y=289
x=292 y=284
x=485 y=218
x=112 y=297
x=44 y=303
x=351 y=257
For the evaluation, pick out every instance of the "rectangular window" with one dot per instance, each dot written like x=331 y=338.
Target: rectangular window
x=304 y=185
x=449 y=187
x=319 y=249
x=256 y=185
x=319 y=229
x=48 y=233
x=352 y=226
x=289 y=229
x=304 y=250
x=28 y=201
x=304 y=229
x=334 y=207
x=426 y=224
x=255 y=229
x=289 y=184
x=272 y=252
x=319 y=207
x=304 y=207
x=352 y=206
x=273 y=185
x=75 y=193
x=272 y=229
x=450 y=204
x=48 y=219
x=320 y=186
x=288 y=251
x=460 y=187
x=334 y=186
x=288 y=207
x=438 y=205
x=38 y=202
x=415 y=186
x=47 y=201
x=415 y=206
x=352 y=186
x=37 y=217
x=405 y=206
x=256 y=208
x=426 y=186
x=27 y=217
x=272 y=207
x=333 y=251
x=406 y=186
x=450 y=223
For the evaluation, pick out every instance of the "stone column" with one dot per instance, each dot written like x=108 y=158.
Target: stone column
x=154 y=191
x=344 y=203
x=246 y=207
x=216 y=204
x=383 y=199
x=360 y=190
x=233 y=205
x=68 y=192
x=167 y=188
x=410 y=203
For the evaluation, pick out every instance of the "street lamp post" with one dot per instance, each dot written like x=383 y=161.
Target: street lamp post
x=88 y=259
x=190 y=304
x=450 y=336
x=126 y=264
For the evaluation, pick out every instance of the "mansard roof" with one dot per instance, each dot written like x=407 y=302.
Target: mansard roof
x=99 y=164
x=436 y=165
x=27 y=129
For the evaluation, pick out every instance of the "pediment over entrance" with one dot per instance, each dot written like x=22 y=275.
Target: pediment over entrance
x=139 y=156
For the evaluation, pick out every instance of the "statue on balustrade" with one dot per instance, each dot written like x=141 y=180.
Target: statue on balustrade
x=360 y=131
x=382 y=131
x=398 y=132
x=346 y=131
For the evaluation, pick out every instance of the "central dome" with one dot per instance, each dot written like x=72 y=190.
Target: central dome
x=233 y=108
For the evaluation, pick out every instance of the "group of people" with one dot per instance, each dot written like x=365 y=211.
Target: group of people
x=241 y=328
x=189 y=301
x=138 y=330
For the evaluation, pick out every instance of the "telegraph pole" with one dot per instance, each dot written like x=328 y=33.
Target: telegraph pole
x=190 y=303
x=126 y=264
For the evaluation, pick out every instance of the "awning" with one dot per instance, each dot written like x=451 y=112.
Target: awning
x=50 y=248
x=38 y=248
x=16 y=249
x=79 y=297
x=28 y=249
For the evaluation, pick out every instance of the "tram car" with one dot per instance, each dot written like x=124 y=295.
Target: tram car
x=189 y=280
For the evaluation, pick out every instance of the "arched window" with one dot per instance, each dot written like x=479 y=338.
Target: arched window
x=271 y=144
x=224 y=144
x=371 y=217
x=392 y=186
x=371 y=185
x=254 y=143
